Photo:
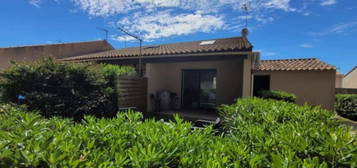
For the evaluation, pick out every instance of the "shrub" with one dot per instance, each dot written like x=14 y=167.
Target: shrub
x=283 y=134
x=60 y=89
x=346 y=105
x=277 y=95
x=110 y=70
x=27 y=140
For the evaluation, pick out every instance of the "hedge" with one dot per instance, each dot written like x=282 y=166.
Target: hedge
x=282 y=134
x=257 y=133
x=346 y=105
x=62 y=89
x=277 y=95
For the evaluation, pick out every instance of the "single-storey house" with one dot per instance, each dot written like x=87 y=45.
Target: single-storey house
x=208 y=73
x=350 y=79
x=311 y=80
x=205 y=74
x=58 y=51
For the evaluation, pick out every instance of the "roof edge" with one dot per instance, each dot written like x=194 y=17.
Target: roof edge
x=159 y=56
x=351 y=71
x=39 y=45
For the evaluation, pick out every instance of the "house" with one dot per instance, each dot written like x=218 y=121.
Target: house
x=350 y=79
x=311 y=80
x=58 y=51
x=339 y=80
x=208 y=73
x=202 y=74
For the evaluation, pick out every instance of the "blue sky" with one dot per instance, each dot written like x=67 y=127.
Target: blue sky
x=325 y=29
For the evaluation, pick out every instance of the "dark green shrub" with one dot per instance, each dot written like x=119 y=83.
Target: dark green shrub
x=346 y=105
x=277 y=95
x=60 y=89
x=283 y=134
x=256 y=138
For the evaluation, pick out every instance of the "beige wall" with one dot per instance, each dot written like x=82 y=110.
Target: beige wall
x=30 y=53
x=168 y=76
x=313 y=87
x=350 y=81
x=339 y=80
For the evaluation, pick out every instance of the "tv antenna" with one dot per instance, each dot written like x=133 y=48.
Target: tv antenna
x=245 y=8
x=105 y=31
x=140 y=50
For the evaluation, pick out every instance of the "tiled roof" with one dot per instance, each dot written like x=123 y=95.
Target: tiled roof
x=293 y=65
x=217 y=45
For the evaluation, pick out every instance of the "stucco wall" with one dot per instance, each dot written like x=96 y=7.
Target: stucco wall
x=30 y=53
x=339 y=80
x=350 y=81
x=312 y=87
x=168 y=76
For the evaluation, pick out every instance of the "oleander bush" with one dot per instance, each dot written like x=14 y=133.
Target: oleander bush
x=277 y=95
x=62 y=89
x=283 y=134
x=257 y=133
x=346 y=105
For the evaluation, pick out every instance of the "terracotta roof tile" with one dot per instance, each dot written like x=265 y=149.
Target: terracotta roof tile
x=293 y=65
x=220 y=45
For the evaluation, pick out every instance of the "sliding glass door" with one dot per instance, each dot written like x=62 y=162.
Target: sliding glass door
x=199 y=89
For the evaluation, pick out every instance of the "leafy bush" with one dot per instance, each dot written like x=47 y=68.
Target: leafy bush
x=60 y=89
x=110 y=70
x=255 y=137
x=26 y=140
x=277 y=95
x=346 y=105
x=283 y=134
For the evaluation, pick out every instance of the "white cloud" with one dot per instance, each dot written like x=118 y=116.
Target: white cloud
x=265 y=53
x=164 y=18
x=279 y=4
x=124 y=38
x=35 y=3
x=307 y=46
x=166 y=24
x=343 y=27
x=328 y=2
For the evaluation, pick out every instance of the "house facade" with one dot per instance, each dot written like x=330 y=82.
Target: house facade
x=350 y=79
x=311 y=80
x=206 y=74
x=201 y=74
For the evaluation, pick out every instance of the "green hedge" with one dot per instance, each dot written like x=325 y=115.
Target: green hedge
x=282 y=134
x=258 y=133
x=277 y=95
x=62 y=89
x=346 y=105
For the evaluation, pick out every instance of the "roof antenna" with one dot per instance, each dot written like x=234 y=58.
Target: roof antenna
x=141 y=43
x=245 y=8
x=105 y=31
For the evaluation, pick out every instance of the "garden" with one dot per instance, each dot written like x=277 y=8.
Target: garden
x=62 y=115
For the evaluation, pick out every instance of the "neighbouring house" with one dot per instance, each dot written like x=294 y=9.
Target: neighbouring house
x=58 y=51
x=205 y=74
x=350 y=79
x=311 y=80
x=339 y=80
